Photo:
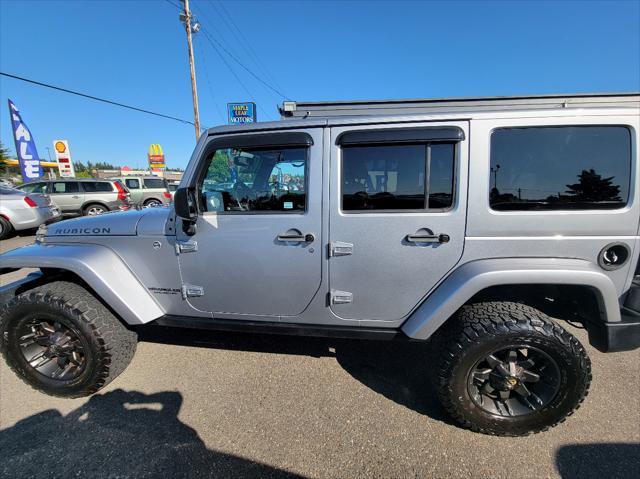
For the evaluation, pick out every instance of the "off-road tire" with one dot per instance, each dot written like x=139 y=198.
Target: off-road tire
x=476 y=331
x=111 y=345
x=5 y=228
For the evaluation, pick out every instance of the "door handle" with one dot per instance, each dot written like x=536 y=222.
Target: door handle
x=295 y=238
x=424 y=238
x=75 y=197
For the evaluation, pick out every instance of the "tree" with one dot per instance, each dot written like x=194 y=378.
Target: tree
x=593 y=188
x=4 y=156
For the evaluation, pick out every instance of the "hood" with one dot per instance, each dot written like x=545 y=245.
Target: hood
x=123 y=223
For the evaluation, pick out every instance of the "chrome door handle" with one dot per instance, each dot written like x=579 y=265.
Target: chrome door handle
x=421 y=238
x=293 y=238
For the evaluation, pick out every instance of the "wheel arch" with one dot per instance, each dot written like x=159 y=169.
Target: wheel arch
x=527 y=279
x=97 y=266
x=86 y=204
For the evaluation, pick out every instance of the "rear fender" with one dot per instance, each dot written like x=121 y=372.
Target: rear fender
x=476 y=276
x=100 y=268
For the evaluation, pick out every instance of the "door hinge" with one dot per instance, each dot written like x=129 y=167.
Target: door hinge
x=340 y=297
x=340 y=248
x=186 y=247
x=192 y=291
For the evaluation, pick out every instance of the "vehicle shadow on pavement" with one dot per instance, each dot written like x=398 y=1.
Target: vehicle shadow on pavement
x=598 y=460
x=118 y=434
x=399 y=370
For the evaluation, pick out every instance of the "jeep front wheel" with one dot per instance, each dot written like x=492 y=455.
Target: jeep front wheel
x=507 y=369
x=61 y=340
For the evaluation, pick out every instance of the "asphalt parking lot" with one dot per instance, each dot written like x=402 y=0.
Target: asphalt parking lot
x=231 y=405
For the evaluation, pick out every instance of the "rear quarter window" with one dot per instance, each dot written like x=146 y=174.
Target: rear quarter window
x=97 y=186
x=154 y=183
x=560 y=168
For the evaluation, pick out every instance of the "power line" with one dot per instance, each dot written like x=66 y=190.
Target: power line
x=234 y=58
x=242 y=40
x=91 y=97
x=231 y=69
x=174 y=4
x=215 y=103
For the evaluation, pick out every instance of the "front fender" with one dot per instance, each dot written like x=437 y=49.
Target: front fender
x=475 y=276
x=100 y=268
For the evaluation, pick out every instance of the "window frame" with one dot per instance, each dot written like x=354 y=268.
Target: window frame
x=84 y=189
x=139 y=187
x=455 y=142
x=630 y=195
x=77 y=183
x=211 y=150
x=145 y=187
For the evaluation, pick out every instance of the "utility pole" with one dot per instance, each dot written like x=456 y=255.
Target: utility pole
x=186 y=18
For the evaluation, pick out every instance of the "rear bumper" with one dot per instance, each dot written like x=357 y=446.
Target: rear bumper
x=34 y=217
x=615 y=337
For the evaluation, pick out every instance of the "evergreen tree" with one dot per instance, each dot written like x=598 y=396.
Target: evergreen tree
x=592 y=187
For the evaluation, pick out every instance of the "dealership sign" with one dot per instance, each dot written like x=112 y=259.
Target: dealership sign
x=28 y=159
x=63 y=157
x=156 y=158
x=242 y=113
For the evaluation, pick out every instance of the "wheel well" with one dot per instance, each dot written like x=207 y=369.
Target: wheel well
x=91 y=203
x=151 y=199
x=49 y=275
x=568 y=302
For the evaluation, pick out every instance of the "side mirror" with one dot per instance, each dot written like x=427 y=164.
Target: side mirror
x=186 y=207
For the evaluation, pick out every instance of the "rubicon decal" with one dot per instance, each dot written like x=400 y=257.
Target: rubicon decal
x=82 y=231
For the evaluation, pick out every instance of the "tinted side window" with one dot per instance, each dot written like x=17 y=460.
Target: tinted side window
x=34 y=188
x=398 y=177
x=64 y=187
x=96 y=187
x=132 y=183
x=256 y=180
x=556 y=168
x=154 y=183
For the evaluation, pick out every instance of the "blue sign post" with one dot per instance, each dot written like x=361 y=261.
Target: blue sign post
x=25 y=147
x=242 y=113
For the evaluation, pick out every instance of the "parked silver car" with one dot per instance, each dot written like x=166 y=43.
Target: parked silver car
x=20 y=211
x=88 y=197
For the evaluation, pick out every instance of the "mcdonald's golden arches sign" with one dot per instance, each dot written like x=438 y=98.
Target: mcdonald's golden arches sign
x=156 y=157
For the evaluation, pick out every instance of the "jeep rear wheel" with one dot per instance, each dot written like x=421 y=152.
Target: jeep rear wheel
x=507 y=369
x=61 y=340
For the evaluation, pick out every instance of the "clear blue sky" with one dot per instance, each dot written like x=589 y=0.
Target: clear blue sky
x=135 y=52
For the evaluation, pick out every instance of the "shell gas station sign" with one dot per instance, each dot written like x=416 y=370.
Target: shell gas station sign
x=63 y=158
x=156 y=158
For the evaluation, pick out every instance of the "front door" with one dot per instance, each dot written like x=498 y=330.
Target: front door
x=67 y=195
x=258 y=253
x=397 y=221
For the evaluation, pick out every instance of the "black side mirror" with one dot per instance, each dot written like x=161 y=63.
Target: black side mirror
x=186 y=206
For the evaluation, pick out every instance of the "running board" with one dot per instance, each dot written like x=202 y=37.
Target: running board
x=294 y=329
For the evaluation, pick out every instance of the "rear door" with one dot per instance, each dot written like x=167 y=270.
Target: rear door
x=66 y=195
x=397 y=221
x=134 y=185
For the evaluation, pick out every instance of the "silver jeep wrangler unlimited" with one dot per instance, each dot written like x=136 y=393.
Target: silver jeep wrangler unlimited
x=478 y=224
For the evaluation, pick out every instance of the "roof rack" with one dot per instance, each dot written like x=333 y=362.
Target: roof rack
x=292 y=109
